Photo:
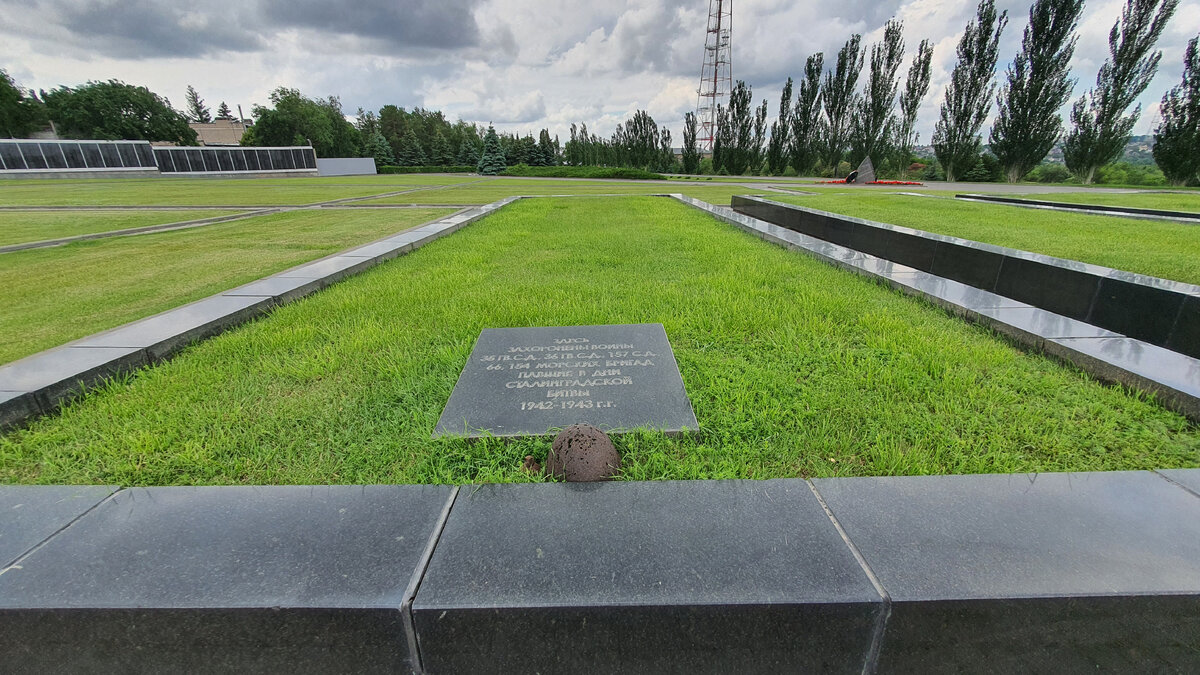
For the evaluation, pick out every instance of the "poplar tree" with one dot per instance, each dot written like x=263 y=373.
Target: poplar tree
x=691 y=154
x=491 y=162
x=777 y=147
x=916 y=85
x=839 y=99
x=804 y=141
x=875 y=121
x=760 y=136
x=1100 y=128
x=737 y=153
x=1177 y=138
x=196 y=110
x=1028 y=123
x=956 y=140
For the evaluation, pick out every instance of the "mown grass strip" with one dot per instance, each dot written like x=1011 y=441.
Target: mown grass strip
x=1155 y=248
x=18 y=227
x=794 y=369
x=54 y=295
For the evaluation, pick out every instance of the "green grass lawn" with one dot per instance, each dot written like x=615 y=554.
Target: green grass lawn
x=54 y=295
x=1157 y=248
x=173 y=191
x=490 y=191
x=794 y=368
x=17 y=227
x=1169 y=201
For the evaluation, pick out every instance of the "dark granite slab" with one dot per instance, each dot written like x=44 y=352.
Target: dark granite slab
x=1185 y=336
x=528 y=381
x=56 y=374
x=245 y=579
x=677 y=576
x=1188 y=478
x=1136 y=310
x=164 y=334
x=1101 y=209
x=952 y=295
x=1175 y=378
x=1006 y=573
x=1033 y=326
x=29 y=514
x=16 y=407
x=979 y=268
x=1061 y=290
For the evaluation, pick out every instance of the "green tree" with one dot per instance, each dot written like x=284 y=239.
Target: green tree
x=20 y=113
x=491 y=161
x=838 y=98
x=780 y=130
x=805 y=138
x=547 y=149
x=1177 y=138
x=468 y=153
x=441 y=150
x=1100 y=128
x=757 y=154
x=737 y=151
x=196 y=110
x=114 y=110
x=298 y=120
x=1028 y=123
x=411 y=153
x=916 y=85
x=956 y=140
x=223 y=112
x=691 y=153
x=376 y=146
x=872 y=128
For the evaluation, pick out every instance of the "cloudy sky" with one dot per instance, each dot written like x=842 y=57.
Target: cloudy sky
x=522 y=64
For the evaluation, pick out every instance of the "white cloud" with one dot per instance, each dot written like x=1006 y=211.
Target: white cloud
x=520 y=64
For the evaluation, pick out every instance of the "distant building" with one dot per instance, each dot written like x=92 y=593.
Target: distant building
x=220 y=132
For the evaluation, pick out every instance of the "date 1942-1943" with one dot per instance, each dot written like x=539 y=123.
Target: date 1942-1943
x=585 y=404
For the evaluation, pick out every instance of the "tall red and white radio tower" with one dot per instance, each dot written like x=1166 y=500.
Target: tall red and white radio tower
x=716 y=75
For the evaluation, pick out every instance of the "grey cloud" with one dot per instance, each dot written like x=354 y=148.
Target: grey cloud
x=148 y=28
x=400 y=26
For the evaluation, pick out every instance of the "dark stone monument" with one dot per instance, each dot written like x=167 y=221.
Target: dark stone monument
x=529 y=381
x=583 y=454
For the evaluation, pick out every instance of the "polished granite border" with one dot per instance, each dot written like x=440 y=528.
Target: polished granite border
x=1187 y=217
x=1110 y=356
x=956 y=573
x=40 y=383
x=1158 y=311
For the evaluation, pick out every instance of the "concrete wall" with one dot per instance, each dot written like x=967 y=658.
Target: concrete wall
x=346 y=166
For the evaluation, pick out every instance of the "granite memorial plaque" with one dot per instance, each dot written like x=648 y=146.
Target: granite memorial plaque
x=529 y=381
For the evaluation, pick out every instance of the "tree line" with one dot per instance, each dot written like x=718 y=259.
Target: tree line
x=826 y=122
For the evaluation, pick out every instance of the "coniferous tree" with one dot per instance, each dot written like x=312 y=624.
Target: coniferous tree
x=839 y=97
x=1177 y=138
x=777 y=147
x=547 y=154
x=468 y=154
x=492 y=161
x=956 y=139
x=196 y=110
x=804 y=145
x=440 y=150
x=376 y=146
x=1100 y=128
x=411 y=153
x=760 y=136
x=691 y=153
x=1027 y=121
x=223 y=112
x=916 y=85
x=872 y=128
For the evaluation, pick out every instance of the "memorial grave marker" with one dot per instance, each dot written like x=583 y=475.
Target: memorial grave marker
x=528 y=381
